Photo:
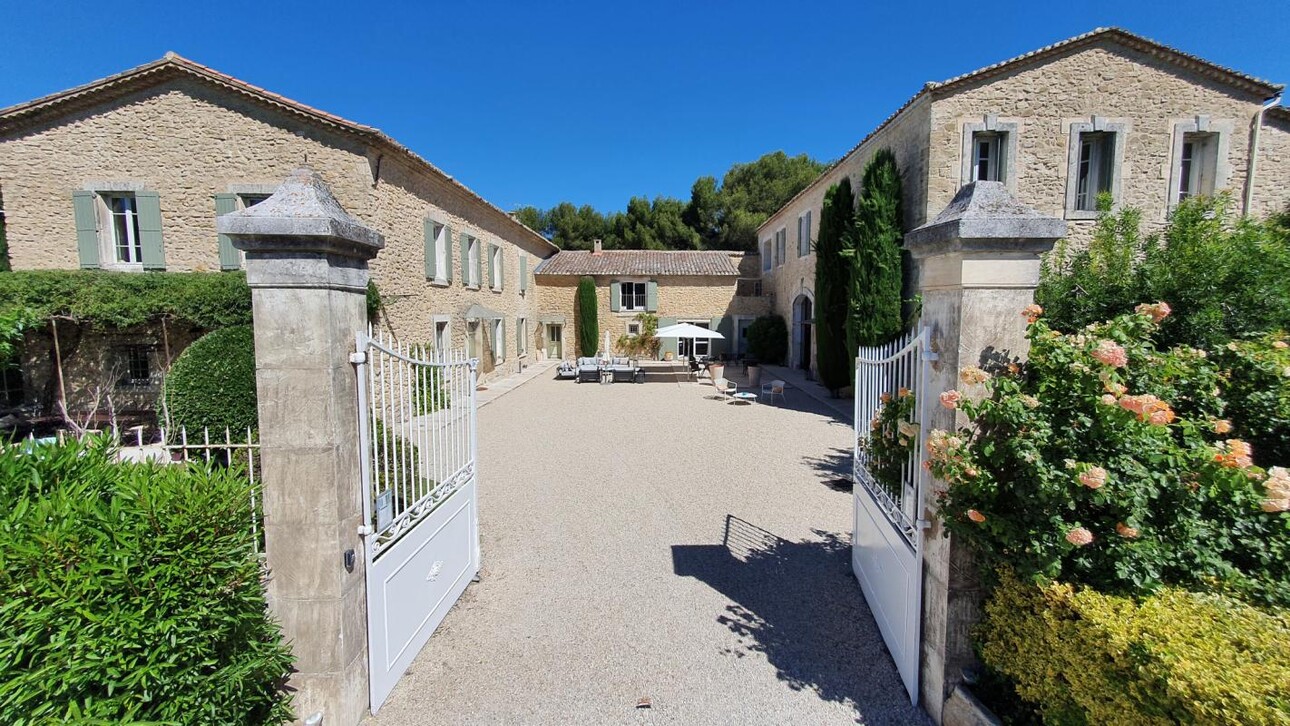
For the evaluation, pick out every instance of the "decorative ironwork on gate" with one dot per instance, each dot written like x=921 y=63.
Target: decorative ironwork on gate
x=890 y=442
x=417 y=429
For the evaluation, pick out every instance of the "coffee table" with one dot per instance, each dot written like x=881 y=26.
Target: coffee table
x=745 y=396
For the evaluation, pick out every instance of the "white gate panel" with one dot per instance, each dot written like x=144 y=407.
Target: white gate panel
x=414 y=584
x=417 y=432
x=887 y=545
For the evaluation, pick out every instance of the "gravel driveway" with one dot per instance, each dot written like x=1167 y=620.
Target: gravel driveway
x=645 y=541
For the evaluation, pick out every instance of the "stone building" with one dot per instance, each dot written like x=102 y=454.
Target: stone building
x=715 y=290
x=128 y=173
x=1105 y=111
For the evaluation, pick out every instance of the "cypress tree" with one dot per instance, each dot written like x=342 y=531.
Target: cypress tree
x=832 y=285
x=877 y=268
x=588 y=317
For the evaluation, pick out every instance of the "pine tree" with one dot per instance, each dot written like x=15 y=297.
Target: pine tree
x=588 y=318
x=832 y=283
x=877 y=270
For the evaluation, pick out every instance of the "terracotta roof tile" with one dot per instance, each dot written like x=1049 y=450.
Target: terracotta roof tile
x=641 y=262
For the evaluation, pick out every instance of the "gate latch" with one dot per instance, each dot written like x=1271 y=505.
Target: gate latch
x=359 y=357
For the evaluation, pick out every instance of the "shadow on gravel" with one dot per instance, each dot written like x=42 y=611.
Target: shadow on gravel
x=799 y=605
x=834 y=464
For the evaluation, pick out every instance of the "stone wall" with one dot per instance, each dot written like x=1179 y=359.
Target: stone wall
x=906 y=135
x=188 y=142
x=1110 y=81
x=1272 y=177
x=684 y=298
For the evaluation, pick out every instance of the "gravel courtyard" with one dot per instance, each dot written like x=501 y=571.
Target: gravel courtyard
x=646 y=541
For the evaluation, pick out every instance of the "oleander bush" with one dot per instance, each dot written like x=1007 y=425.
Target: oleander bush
x=768 y=339
x=132 y=593
x=1107 y=461
x=212 y=383
x=1084 y=657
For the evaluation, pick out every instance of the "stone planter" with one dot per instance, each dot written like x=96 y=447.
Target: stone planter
x=754 y=375
x=716 y=370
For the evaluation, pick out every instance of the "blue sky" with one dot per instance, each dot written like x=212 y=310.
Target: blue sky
x=592 y=102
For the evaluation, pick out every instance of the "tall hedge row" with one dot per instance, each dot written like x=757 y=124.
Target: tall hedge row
x=131 y=593
x=832 y=286
x=877 y=272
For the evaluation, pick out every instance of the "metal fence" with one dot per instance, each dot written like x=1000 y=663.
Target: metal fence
x=417 y=426
x=894 y=374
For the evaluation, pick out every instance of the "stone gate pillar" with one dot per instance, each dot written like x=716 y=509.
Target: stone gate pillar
x=977 y=267
x=306 y=263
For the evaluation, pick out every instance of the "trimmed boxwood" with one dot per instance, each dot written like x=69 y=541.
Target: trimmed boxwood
x=768 y=339
x=212 y=383
x=132 y=593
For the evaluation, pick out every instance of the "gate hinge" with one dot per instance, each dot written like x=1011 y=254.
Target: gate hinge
x=364 y=530
x=923 y=524
x=359 y=357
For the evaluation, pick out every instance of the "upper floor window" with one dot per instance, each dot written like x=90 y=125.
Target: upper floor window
x=1199 y=158
x=781 y=246
x=766 y=259
x=471 y=276
x=989 y=151
x=634 y=295
x=126 y=242
x=1096 y=155
x=495 y=267
x=804 y=234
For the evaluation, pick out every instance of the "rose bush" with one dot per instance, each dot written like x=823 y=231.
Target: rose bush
x=1108 y=462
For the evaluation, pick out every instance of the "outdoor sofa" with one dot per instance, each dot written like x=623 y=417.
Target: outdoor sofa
x=588 y=370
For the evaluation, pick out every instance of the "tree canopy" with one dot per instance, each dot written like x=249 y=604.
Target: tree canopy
x=717 y=216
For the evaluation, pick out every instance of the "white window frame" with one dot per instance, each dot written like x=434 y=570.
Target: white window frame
x=499 y=337
x=804 y=233
x=1213 y=171
x=1118 y=132
x=495 y=269
x=622 y=296
x=1004 y=132
x=474 y=258
x=111 y=237
x=633 y=327
x=442 y=253
x=781 y=246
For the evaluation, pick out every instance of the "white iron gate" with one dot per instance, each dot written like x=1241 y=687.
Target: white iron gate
x=887 y=548
x=421 y=528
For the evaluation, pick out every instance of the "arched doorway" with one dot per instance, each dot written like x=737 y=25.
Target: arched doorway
x=803 y=322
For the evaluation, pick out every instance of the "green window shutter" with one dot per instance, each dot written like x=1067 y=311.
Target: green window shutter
x=524 y=273
x=84 y=206
x=725 y=326
x=501 y=337
x=479 y=263
x=715 y=346
x=154 y=251
x=651 y=296
x=501 y=268
x=465 y=259
x=432 y=255
x=492 y=273
x=229 y=259
x=668 y=345
x=615 y=296
x=447 y=252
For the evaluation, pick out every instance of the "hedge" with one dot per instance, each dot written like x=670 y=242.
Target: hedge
x=212 y=383
x=768 y=339
x=104 y=299
x=131 y=592
x=588 y=310
x=1175 y=657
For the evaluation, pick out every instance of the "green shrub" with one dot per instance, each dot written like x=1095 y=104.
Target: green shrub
x=103 y=299
x=374 y=304
x=588 y=318
x=1224 y=278
x=212 y=383
x=1105 y=462
x=1257 y=389
x=768 y=339
x=131 y=593
x=832 y=286
x=877 y=272
x=1176 y=657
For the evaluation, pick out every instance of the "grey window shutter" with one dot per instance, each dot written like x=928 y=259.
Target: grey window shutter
x=229 y=259
x=651 y=296
x=524 y=272
x=725 y=326
x=501 y=337
x=154 y=251
x=447 y=252
x=479 y=263
x=615 y=296
x=465 y=258
x=715 y=346
x=668 y=344
x=432 y=254
x=501 y=268
x=84 y=206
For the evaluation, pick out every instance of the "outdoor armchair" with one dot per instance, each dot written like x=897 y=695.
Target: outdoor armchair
x=726 y=387
x=772 y=389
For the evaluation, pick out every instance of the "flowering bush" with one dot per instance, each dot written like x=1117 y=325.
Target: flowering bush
x=1106 y=461
x=892 y=437
x=1257 y=390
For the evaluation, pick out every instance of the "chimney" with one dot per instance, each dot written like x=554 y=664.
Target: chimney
x=596 y=248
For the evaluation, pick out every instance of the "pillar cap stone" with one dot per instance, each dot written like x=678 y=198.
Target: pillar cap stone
x=301 y=216
x=985 y=217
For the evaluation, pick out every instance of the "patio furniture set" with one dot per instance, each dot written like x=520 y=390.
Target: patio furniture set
x=602 y=369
